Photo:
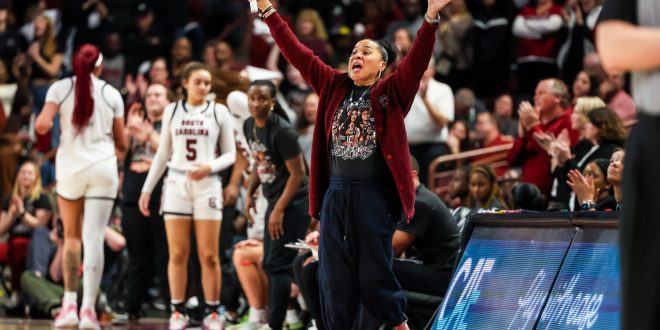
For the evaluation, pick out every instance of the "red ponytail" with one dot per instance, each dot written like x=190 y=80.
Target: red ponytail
x=83 y=65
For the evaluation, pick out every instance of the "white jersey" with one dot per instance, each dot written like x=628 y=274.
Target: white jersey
x=190 y=136
x=94 y=143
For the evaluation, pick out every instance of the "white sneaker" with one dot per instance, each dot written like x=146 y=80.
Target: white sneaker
x=68 y=317
x=247 y=325
x=212 y=322
x=88 y=319
x=178 y=321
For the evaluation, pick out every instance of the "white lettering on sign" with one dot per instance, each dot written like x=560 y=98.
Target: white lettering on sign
x=468 y=297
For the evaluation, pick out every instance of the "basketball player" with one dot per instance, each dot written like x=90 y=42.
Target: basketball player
x=192 y=130
x=91 y=113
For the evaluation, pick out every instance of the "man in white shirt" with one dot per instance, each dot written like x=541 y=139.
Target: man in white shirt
x=428 y=119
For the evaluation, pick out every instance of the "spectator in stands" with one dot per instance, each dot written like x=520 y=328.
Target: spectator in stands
x=548 y=115
x=44 y=58
x=507 y=125
x=580 y=17
x=24 y=210
x=528 y=197
x=459 y=138
x=312 y=33
x=487 y=134
x=224 y=55
x=434 y=235
x=12 y=42
x=484 y=191
x=146 y=238
x=16 y=138
x=455 y=62
x=509 y=180
x=114 y=61
x=592 y=187
x=491 y=47
x=412 y=20
x=458 y=188
x=306 y=125
x=586 y=83
x=612 y=92
x=536 y=27
x=605 y=133
x=466 y=106
x=144 y=41
x=428 y=120
x=156 y=73
x=181 y=54
x=209 y=56
x=403 y=40
x=7 y=93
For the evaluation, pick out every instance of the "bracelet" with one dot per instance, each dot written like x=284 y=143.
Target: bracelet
x=265 y=13
x=432 y=21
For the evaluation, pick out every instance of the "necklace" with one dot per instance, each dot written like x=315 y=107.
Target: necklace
x=352 y=104
x=254 y=133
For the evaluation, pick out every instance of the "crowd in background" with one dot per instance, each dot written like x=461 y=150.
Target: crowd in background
x=504 y=72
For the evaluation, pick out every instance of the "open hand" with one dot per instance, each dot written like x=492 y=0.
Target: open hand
x=582 y=186
x=435 y=6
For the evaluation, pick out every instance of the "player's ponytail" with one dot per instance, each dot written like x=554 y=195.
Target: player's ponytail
x=277 y=109
x=84 y=62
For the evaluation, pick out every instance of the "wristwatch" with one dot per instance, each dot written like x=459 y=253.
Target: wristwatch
x=435 y=21
x=588 y=205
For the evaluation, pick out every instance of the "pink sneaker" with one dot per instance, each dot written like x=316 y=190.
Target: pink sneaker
x=68 y=316
x=88 y=319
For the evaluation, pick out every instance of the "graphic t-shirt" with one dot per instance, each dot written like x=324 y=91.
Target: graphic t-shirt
x=271 y=146
x=354 y=149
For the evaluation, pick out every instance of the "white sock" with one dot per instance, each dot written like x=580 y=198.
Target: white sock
x=70 y=297
x=88 y=302
x=257 y=315
x=292 y=316
x=96 y=217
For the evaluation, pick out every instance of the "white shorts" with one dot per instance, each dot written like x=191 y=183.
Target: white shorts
x=186 y=198
x=99 y=181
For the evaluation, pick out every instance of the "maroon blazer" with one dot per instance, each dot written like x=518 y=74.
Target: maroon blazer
x=391 y=99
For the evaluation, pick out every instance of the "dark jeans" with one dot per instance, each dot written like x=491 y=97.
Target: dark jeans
x=147 y=247
x=308 y=282
x=278 y=259
x=640 y=246
x=355 y=255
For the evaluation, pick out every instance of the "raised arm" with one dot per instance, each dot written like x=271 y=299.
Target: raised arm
x=314 y=71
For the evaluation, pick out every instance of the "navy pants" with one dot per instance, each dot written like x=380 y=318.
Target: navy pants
x=355 y=255
x=278 y=259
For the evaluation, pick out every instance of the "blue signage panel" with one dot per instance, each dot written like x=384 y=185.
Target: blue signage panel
x=587 y=293
x=504 y=278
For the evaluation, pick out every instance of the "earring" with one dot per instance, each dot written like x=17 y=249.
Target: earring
x=272 y=108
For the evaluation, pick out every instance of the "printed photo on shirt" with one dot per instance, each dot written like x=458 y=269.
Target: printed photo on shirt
x=353 y=133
